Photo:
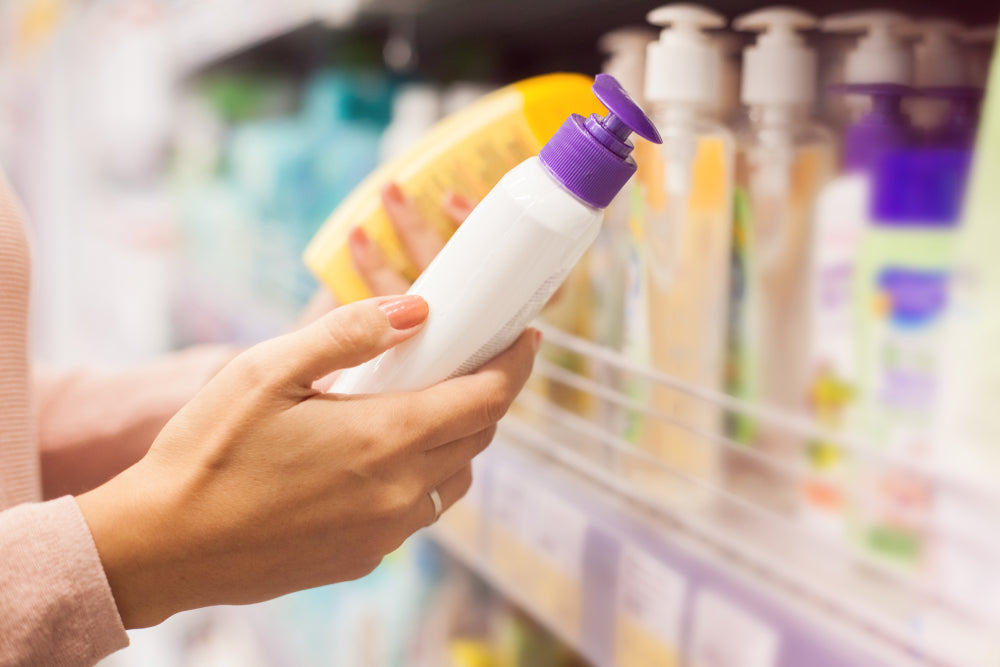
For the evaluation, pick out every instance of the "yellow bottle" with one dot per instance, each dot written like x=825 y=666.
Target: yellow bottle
x=466 y=153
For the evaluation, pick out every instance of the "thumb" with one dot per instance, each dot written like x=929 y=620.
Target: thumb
x=344 y=337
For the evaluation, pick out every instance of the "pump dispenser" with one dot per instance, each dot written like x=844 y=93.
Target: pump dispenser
x=939 y=65
x=783 y=159
x=626 y=51
x=682 y=84
x=514 y=250
x=607 y=261
x=676 y=316
x=843 y=218
x=881 y=54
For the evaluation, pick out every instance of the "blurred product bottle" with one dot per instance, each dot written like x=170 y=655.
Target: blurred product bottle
x=461 y=94
x=880 y=54
x=783 y=159
x=415 y=109
x=938 y=63
x=966 y=434
x=878 y=72
x=467 y=153
x=676 y=320
x=608 y=266
x=977 y=45
x=902 y=282
x=626 y=50
x=730 y=45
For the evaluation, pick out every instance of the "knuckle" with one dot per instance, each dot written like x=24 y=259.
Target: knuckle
x=495 y=404
x=253 y=367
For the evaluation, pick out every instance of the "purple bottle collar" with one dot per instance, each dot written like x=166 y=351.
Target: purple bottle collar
x=592 y=158
x=884 y=128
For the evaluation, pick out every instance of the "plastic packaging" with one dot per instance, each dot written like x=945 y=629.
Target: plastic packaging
x=676 y=319
x=515 y=249
x=966 y=434
x=783 y=159
x=938 y=63
x=607 y=262
x=467 y=152
x=901 y=294
x=842 y=216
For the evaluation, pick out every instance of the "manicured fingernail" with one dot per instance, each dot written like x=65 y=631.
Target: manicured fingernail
x=394 y=193
x=358 y=238
x=405 y=312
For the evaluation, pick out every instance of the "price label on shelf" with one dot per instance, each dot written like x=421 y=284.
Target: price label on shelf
x=537 y=542
x=650 y=611
x=727 y=635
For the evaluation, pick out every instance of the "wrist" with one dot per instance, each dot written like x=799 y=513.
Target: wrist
x=126 y=520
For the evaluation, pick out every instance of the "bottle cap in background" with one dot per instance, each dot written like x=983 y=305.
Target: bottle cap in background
x=881 y=54
x=626 y=49
x=977 y=43
x=780 y=68
x=683 y=64
x=592 y=157
x=938 y=58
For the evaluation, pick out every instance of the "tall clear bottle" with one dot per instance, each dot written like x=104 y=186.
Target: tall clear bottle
x=678 y=319
x=783 y=159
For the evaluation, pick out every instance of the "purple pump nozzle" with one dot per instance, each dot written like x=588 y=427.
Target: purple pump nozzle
x=592 y=157
x=884 y=128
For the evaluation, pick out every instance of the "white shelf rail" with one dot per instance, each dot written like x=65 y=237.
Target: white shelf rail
x=565 y=488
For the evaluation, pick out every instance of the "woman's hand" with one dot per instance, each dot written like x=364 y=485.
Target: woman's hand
x=419 y=240
x=262 y=485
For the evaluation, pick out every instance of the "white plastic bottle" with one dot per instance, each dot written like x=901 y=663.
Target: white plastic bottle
x=783 y=159
x=608 y=258
x=514 y=250
x=677 y=322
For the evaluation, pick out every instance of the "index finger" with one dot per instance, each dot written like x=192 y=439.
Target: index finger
x=471 y=403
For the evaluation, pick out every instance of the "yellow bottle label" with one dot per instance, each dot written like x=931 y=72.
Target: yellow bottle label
x=466 y=153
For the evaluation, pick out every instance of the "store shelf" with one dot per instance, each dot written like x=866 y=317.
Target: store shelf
x=571 y=522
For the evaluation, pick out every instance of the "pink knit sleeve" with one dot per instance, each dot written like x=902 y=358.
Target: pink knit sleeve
x=92 y=425
x=56 y=608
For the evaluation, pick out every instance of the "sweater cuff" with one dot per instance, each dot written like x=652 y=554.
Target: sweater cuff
x=56 y=607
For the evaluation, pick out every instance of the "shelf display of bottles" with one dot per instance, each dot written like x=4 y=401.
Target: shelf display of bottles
x=760 y=431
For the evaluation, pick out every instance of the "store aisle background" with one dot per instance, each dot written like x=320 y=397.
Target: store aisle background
x=175 y=157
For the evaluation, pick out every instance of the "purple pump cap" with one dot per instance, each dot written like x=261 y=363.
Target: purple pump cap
x=958 y=128
x=885 y=127
x=592 y=157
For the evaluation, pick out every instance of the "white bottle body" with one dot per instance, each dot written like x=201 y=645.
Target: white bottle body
x=490 y=280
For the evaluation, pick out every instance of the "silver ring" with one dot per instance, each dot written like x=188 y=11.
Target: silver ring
x=438 y=506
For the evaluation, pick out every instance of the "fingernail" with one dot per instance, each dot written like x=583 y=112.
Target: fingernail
x=405 y=312
x=357 y=237
x=394 y=193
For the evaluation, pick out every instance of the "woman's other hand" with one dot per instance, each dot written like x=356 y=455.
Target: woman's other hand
x=420 y=242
